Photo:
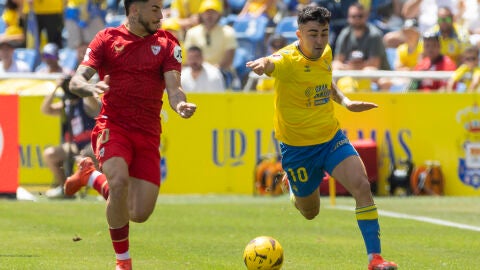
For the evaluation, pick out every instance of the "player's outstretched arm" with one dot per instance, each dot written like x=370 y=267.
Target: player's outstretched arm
x=261 y=66
x=351 y=105
x=176 y=96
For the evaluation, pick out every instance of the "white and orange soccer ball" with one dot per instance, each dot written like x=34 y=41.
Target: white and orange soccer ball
x=263 y=253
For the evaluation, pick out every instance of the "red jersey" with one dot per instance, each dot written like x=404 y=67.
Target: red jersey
x=443 y=63
x=136 y=66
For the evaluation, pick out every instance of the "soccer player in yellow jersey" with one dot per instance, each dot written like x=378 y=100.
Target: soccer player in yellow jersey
x=309 y=133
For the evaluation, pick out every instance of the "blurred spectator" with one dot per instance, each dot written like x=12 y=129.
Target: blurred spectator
x=48 y=16
x=83 y=19
x=257 y=8
x=425 y=11
x=217 y=42
x=200 y=76
x=360 y=36
x=11 y=39
x=433 y=60
x=77 y=123
x=453 y=39
x=275 y=43
x=50 y=59
x=11 y=17
x=339 y=20
x=467 y=76
x=359 y=47
x=469 y=18
x=186 y=11
x=410 y=52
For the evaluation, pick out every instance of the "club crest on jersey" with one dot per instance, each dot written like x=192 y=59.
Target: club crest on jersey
x=118 y=48
x=155 y=49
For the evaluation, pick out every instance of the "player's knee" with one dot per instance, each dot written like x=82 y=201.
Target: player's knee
x=310 y=213
x=139 y=216
x=118 y=187
x=362 y=188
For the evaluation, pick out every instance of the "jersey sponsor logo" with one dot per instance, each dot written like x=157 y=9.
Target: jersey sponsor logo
x=155 y=49
x=177 y=53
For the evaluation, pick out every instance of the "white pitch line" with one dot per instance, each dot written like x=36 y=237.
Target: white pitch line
x=418 y=218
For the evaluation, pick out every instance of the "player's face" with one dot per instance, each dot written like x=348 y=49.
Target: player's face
x=150 y=15
x=313 y=38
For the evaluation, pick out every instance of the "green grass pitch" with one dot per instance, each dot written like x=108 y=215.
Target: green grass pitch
x=210 y=233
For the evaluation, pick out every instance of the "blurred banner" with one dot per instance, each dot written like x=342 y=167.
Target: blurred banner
x=216 y=150
x=8 y=144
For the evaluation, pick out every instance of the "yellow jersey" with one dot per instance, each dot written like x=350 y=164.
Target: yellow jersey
x=303 y=109
x=409 y=59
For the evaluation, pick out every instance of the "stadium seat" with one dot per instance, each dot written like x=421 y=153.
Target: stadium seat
x=29 y=56
x=251 y=34
x=236 y=5
x=242 y=56
x=114 y=20
x=391 y=56
x=68 y=58
x=287 y=27
x=3 y=26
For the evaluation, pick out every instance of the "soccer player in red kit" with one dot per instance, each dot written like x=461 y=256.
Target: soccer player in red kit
x=135 y=62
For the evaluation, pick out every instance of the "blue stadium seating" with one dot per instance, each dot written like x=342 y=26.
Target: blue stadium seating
x=251 y=34
x=3 y=26
x=29 y=56
x=236 y=5
x=242 y=56
x=68 y=58
x=287 y=27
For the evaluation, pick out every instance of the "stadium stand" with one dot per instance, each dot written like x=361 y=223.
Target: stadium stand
x=30 y=56
x=287 y=26
x=251 y=34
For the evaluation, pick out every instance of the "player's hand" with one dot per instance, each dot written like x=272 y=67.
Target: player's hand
x=257 y=66
x=360 y=106
x=102 y=86
x=185 y=109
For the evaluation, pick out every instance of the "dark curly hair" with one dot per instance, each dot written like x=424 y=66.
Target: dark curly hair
x=314 y=13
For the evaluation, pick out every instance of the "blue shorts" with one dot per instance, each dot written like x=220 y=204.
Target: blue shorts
x=306 y=165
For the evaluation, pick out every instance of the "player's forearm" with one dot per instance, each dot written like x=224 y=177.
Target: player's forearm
x=338 y=95
x=79 y=84
x=176 y=98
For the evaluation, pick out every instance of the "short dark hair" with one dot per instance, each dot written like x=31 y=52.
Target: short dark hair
x=128 y=3
x=195 y=49
x=314 y=13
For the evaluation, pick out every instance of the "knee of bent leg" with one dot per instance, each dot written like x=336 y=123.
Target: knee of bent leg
x=139 y=216
x=310 y=213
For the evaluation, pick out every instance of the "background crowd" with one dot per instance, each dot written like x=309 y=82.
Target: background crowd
x=220 y=36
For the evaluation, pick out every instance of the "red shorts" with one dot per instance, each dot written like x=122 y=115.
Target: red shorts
x=140 y=150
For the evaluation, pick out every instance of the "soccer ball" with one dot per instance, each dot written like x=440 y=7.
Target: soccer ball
x=263 y=253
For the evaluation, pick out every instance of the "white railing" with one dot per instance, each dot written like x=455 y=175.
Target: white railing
x=372 y=74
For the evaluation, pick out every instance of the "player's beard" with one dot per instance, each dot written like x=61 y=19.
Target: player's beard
x=147 y=26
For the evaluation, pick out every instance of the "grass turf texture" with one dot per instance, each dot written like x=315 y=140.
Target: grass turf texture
x=210 y=233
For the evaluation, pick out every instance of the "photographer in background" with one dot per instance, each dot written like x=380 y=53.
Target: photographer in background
x=77 y=122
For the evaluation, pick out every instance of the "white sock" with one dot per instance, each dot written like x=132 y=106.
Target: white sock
x=123 y=256
x=92 y=178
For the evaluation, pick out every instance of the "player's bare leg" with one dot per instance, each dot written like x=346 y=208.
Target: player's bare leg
x=309 y=206
x=352 y=175
x=116 y=171
x=142 y=197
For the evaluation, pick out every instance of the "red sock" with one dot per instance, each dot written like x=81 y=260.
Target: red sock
x=120 y=239
x=100 y=184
